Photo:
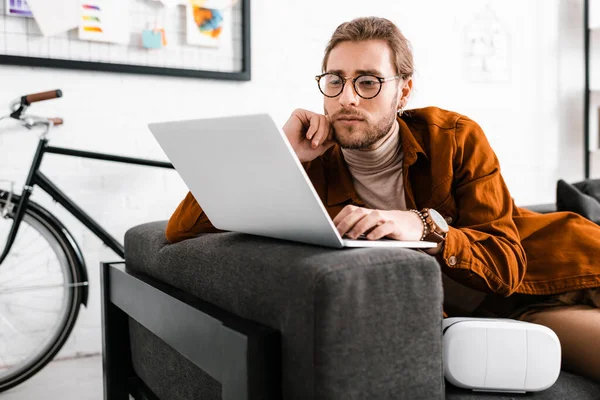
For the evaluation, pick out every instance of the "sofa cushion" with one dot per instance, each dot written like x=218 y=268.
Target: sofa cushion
x=582 y=198
x=354 y=323
x=542 y=208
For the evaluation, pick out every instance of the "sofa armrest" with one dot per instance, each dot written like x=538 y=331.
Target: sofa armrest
x=542 y=208
x=354 y=323
x=378 y=328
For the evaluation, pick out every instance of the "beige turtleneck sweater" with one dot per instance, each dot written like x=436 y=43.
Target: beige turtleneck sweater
x=377 y=174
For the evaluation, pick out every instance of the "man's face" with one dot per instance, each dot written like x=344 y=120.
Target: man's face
x=361 y=123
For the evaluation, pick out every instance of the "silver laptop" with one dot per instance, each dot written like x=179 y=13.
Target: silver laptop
x=247 y=178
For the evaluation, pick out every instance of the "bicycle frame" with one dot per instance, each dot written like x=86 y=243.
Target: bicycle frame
x=35 y=177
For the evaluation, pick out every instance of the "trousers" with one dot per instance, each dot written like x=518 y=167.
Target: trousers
x=575 y=318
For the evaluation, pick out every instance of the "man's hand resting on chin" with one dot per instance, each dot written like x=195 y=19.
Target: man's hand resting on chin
x=309 y=133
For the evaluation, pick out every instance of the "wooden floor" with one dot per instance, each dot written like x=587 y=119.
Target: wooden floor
x=75 y=379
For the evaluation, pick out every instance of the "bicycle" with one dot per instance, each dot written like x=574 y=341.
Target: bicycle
x=43 y=276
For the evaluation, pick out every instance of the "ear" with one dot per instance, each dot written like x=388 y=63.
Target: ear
x=404 y=92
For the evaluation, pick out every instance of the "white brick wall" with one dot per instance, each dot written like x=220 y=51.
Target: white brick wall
x=533 y=121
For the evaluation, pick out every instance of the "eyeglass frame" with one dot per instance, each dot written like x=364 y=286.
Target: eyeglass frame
x=345 y=78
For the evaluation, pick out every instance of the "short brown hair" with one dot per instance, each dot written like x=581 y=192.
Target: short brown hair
x=372 y=28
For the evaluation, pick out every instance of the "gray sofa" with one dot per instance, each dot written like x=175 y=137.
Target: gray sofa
x=336 y=324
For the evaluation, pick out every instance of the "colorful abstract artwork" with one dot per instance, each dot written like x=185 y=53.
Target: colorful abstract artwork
x=205 y=26
x=104 y=21
x=18 y=8
x=209 y=21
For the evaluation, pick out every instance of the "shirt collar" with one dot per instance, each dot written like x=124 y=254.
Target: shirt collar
x=410 y=143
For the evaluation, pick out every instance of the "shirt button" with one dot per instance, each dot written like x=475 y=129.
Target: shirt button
x=452 y=260
x=448 y=220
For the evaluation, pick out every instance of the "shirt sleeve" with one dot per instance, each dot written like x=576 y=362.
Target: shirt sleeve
x=187 y=221
x=483 y=250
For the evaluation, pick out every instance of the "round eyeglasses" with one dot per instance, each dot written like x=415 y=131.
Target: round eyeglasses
x=366 y=86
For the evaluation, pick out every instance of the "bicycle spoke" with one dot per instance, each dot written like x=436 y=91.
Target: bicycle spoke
x=26 y=288
x=40 y=296
x=7 y=323
x=22 y=274
x=16 y=282
x=24 y=228
x=23 y=270
x=30 y=255
x=26 y=327
x=41 y=310
x=29 y=282
x=20 y=300
x=30 y=242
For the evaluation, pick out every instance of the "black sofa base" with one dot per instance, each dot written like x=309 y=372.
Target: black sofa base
x=241 y=356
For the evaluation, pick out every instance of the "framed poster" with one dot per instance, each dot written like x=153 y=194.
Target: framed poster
x=191 y=38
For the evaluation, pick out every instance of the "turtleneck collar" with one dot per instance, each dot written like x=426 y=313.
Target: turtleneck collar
x=374 y=161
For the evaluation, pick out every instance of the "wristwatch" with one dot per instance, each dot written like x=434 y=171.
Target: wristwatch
x=435 y=227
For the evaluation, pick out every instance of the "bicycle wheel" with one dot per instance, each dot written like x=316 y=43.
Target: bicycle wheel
x=39 y=297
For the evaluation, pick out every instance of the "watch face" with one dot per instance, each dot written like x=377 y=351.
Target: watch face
x=438 y=219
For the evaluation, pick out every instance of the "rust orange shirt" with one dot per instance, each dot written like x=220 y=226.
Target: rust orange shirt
x=493 y=245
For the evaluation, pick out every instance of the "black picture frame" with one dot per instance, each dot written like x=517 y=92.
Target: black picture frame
x=243 y=75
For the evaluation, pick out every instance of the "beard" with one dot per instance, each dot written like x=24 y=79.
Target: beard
x=361 y=137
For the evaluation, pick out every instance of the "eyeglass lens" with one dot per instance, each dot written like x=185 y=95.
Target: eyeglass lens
x=366 y=86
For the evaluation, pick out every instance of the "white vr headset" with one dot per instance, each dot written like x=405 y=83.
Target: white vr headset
x=500 y=355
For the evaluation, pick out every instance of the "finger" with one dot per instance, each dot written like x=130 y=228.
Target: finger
x=342 y=214
x=314 y=126
x=383 y=230
x=303 y=116
x=327 y=129
x=323 y=133
x=366 y=224
x=351 y=219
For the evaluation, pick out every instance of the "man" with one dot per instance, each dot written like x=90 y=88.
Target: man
x=384 y=172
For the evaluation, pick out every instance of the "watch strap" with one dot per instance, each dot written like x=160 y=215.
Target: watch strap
x=425 y=225
x=434 y=232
